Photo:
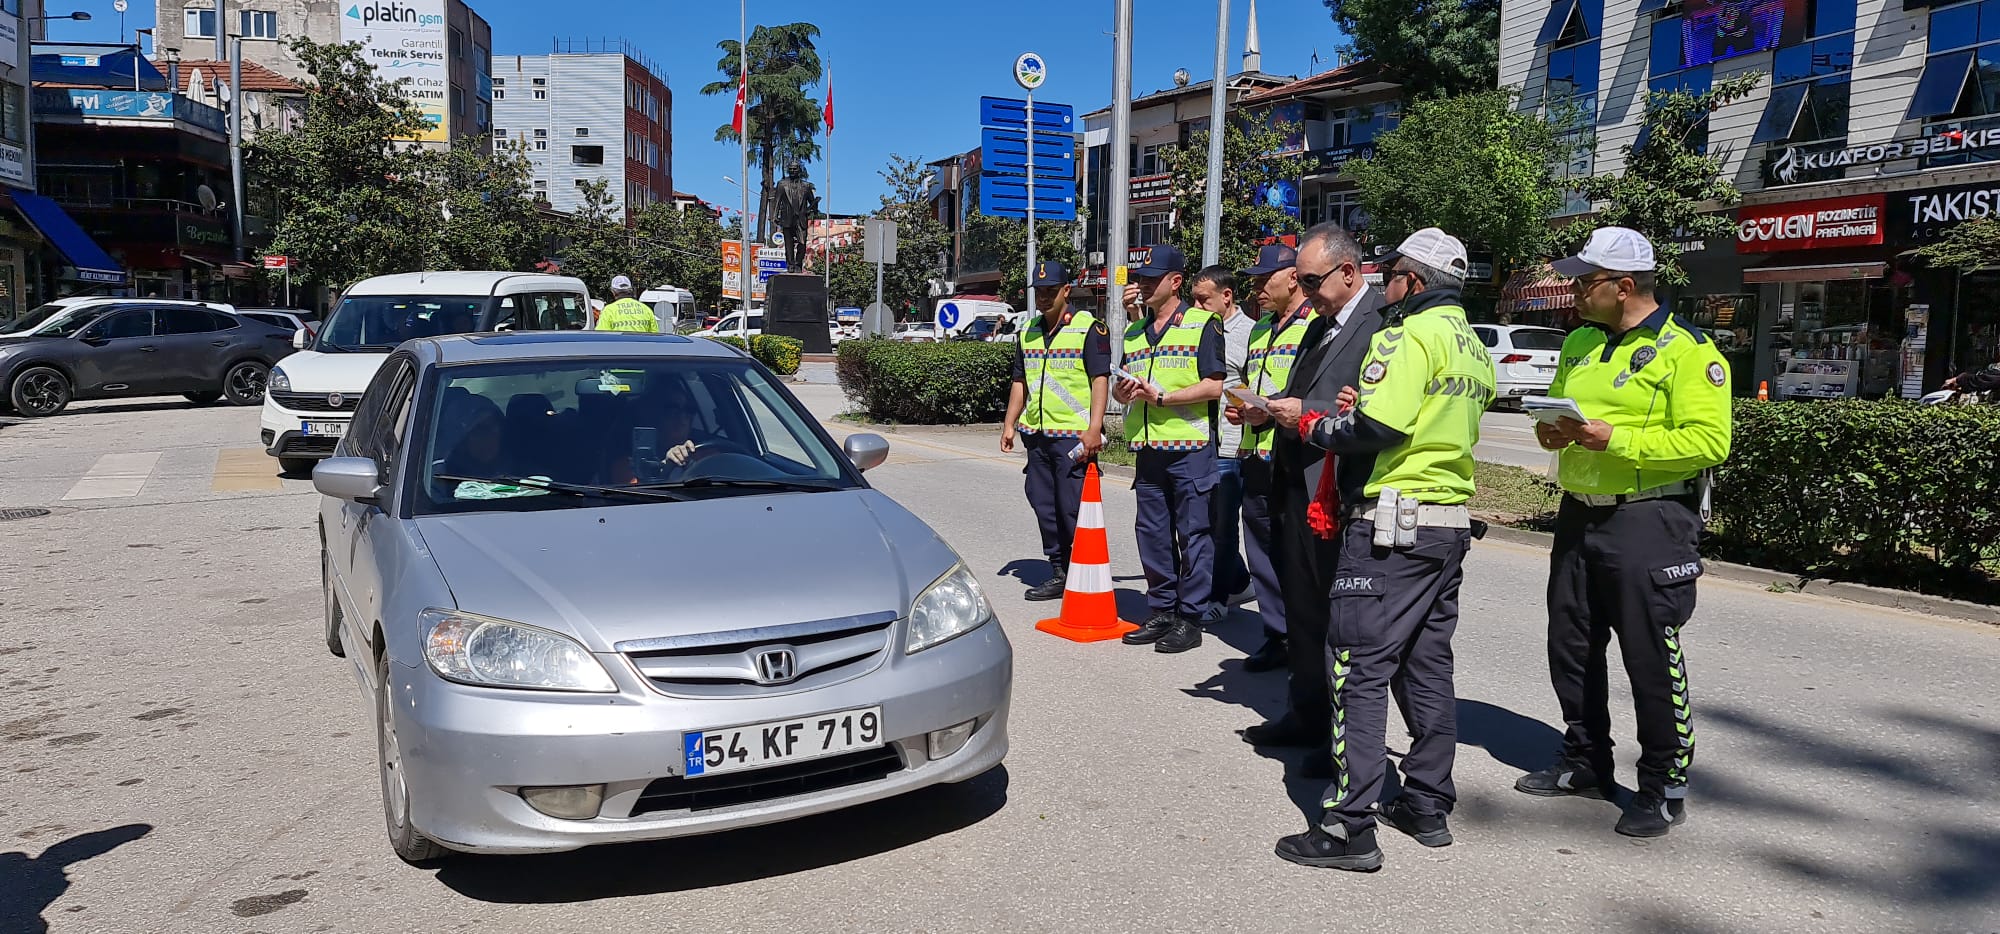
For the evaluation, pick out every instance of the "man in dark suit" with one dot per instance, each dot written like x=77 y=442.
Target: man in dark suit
x=1346 y=314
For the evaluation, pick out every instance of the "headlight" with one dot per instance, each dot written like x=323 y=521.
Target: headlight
x=494 y=652
x=278 y=381
x=948 y=609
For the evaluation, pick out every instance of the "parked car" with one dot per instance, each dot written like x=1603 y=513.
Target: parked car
x=291 y=319
x=138 y=348
x=314 y=392
x=500 y=534
x=57 y=314
x=1524 y=359
x=731 y=325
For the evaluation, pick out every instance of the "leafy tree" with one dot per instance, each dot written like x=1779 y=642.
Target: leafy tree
x=1002 y=243
x=1970 y=245
x=1249 y=165
x=682 y=247
x=597 y=244
x=1670 y=186
x=781 y=119
x=1474 y=165
x=921 y=239
x=486 y=212
x=1434 y=47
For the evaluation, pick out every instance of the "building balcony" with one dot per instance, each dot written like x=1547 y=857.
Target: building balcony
x=113 y=107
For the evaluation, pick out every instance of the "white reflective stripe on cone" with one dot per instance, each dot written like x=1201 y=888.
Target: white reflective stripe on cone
x=1090 y=516
x=1090 y=578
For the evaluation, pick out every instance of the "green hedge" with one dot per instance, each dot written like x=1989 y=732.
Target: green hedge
x=951 y=383
x=1887 y=492
x=779 y=353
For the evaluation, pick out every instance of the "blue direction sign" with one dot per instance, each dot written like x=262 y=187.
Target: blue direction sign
x=1006 y=152
x=1007 y=196
x=1010 y=113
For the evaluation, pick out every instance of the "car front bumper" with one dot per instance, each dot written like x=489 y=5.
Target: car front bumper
x=467 y=750
x=282 y=431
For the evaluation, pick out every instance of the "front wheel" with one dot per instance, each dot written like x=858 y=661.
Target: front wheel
x=244 y=383
x=39 y=392
x=410 y=844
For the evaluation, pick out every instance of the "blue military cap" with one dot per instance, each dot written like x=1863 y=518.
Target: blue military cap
x=1049 y=275
x=1160 y=260
x=1273 y=258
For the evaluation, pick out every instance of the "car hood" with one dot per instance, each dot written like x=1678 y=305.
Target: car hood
x=312 y=371
x=619 y=573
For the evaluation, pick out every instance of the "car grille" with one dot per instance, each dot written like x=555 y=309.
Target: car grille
x=725 y=664
x=316 y=401
x=300 y=444
x=705 y=793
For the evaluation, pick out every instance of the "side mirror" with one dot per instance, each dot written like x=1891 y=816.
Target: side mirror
x=353 y=479
x=867 y=451
x=300 y=338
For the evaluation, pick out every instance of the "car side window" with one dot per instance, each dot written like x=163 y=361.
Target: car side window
x=508 y=318
x=224 y=322
x=395 y=423
x=1488 y=336
x=374 y=400
x=124 y=324
x=182 y=321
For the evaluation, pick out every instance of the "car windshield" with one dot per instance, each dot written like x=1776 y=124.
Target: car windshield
x=44 y=314
x=383 y=322
x=1537 y=339
x=542 y=435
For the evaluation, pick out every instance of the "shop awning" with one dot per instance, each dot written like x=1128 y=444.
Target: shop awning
x=55 y=224
x=1812 y=273
x=1535 y=289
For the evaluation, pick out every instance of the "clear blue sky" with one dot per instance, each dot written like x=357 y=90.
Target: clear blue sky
x=907 y=75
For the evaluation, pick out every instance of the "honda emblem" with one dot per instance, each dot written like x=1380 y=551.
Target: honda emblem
x=776 y=666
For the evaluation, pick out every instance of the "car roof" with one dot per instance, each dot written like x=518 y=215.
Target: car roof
x=565 y=345
x=454 y=283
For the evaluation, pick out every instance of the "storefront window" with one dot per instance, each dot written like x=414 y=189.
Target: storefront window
x=1837 y=339
x=1960 y=84
x=1731 y=322
x=1975 y=341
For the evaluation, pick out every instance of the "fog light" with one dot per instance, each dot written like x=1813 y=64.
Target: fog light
x=569 y=802
x=950 y=739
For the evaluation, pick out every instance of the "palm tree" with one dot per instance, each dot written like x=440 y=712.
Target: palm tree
x=781 y=119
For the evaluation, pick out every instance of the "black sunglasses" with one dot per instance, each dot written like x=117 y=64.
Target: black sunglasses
x=1311 y=281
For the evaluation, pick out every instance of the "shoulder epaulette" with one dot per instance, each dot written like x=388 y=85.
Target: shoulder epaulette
x=1700 y=334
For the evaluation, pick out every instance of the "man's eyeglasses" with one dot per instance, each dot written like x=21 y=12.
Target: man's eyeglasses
x=1311 y=281
x=1585 y=284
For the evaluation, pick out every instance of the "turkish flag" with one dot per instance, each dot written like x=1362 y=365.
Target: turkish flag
x=736 y=122
x=829 y=104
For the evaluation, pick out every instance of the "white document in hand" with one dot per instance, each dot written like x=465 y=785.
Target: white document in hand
x=1124 y=373
x=1545 y=409
x=1244 y=398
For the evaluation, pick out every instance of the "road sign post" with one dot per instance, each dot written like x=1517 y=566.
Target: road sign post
x=878 y=246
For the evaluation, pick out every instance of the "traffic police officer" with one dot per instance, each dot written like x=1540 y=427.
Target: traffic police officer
x=626 y=313
x=1274 y=345
x=1174 y=355
x=1062 y=360
x=1425 y=383
x=1656 y=396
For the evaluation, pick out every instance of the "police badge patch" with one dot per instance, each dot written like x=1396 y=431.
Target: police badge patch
x=1375 y=372
x=1716 y=374
x=1641 y=357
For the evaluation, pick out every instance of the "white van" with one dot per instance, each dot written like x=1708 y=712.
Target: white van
x=967 y=318
x=312 y=394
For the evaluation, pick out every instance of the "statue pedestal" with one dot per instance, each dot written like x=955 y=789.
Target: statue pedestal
x=795 y=306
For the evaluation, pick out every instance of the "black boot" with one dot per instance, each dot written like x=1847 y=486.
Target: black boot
x=1336 y=849
x=1152 y=631
x=1286 y=730
x=1051 y=589
x=1185 y=635
x=1428 y=829
x=1651 y=814
x=1566 y=777
x=1272 y=656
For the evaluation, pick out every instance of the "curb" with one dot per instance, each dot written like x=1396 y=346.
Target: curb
x=1839 y=590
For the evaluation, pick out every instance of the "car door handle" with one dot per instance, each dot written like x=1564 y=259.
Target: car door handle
x=148 y=348
x=222 y=343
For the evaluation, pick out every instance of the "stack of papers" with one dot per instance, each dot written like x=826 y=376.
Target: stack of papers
x=1242 y=397
x=1545 y=409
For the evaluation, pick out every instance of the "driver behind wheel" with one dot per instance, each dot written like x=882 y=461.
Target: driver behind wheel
x=663 y=442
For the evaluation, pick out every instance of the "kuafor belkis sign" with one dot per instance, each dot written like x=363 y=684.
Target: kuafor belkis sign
x=1810 y=225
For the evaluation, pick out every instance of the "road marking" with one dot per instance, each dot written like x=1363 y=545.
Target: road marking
x=115 y=476
x=239 y=470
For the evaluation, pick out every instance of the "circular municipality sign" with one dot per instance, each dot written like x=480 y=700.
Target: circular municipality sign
x=1029 y=71
x=119 y=5
x=947 y=316
x=777 y=238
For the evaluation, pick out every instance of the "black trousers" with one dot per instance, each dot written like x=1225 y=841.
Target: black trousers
x=1306 y=565
x=1626 y=571
x=1393 y=615
x=1054 y=484
x=1259 y=551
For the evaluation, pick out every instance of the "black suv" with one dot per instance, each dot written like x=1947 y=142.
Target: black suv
x=139 y=349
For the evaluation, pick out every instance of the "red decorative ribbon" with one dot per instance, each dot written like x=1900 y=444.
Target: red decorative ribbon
x=1323 y=513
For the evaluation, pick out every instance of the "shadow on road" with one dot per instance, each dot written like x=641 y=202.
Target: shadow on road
x=1519 y=742
x=164 y=404
x=1029 y=571
x=29 y=884
x=728 y=858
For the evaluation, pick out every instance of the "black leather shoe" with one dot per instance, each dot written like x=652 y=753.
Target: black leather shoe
x=1318 y=764
x=1152 y=631
x=1337 y=850
x=1272 y=656
x=1651 y=815
x=1185 y=635
x=1284 y=731
x=1428 y=829
x=1051 y=589
x=1566 y=777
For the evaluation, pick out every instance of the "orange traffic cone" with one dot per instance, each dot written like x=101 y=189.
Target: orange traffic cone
x=1089 y=608
x=1764 y=391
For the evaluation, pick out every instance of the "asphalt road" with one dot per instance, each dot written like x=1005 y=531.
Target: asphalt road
x=179 y=754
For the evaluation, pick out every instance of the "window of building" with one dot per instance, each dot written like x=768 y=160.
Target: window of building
x=582 y=132
x=586 y=155
x=499 y=132
x=582 y=183
x=541 y=94
x=198 y=24
x=499 y=93
x=13 y=113
x=539 y=82
x=457 y=43
x=1959 y=89
x=499 y=82
x=541 y=145
x=1571 y=21
x=541 y=133
x=1152 y=161
x=1152 y=229
x=541 y=184
x=258 y=24
x=1810 y=90
x=480 y=113
x=458 y=103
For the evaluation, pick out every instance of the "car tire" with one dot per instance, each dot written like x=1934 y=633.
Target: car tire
x=296 y=467
x=39 y=392
x=244 y=383
x=410 y=844
x=202 y=398
x=333 y=617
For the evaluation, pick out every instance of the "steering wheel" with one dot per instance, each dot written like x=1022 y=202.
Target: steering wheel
x=736 y=464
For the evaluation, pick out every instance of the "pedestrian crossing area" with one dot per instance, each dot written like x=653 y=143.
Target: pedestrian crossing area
x=170 y=475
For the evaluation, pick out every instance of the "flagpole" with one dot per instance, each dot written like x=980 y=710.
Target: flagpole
x=826 y=240
x=747 y=278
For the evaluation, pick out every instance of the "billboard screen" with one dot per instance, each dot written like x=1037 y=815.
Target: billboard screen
x=1713 y=30
x=405 y=41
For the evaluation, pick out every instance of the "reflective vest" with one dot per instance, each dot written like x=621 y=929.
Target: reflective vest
x=1058 y=386
x=628 y=314
x=1174 y=364
x=1272 y=353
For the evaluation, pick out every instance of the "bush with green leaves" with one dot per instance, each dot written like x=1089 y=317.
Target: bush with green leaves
x=776 y=351
x=1884 y=492
x=952 y=383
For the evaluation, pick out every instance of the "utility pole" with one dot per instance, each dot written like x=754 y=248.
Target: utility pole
x=1218 y=100
x=236 y=137
x=221 y=30
x=1121 y=178
x=747 y=275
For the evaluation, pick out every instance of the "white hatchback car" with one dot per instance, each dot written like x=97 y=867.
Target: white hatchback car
x=1524 y=359
x=312 y=394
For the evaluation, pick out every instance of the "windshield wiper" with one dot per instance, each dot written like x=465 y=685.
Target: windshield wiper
x=696 y=483
x=574 y=489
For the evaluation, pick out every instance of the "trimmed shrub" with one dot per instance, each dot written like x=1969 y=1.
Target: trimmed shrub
x=779 y=353
x=951 y=383
x=1885 y=492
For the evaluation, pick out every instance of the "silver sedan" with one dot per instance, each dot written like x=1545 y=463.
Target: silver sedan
x=604 y=588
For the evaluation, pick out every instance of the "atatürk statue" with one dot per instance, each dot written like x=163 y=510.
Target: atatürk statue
x=797 y=206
